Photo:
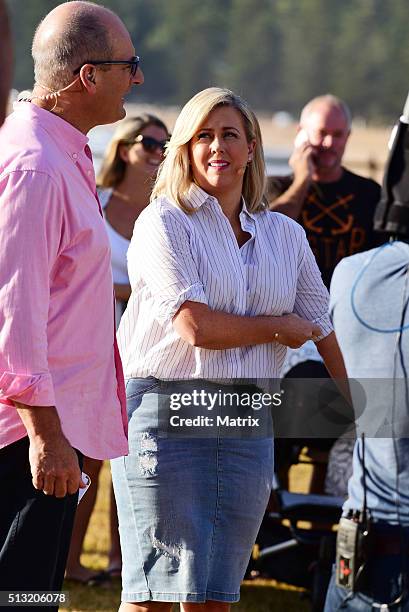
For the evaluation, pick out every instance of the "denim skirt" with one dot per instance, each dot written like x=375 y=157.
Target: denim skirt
x=189 y=508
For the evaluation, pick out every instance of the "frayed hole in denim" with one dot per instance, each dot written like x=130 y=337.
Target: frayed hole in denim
x=148 y=459
x=172 y=551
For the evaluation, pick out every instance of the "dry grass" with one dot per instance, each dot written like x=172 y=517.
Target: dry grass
x=260 y=597
x=257 y=596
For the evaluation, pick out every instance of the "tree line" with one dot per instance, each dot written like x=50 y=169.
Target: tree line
x=276 y=53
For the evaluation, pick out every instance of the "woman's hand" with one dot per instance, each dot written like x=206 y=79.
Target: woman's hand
x=293 y=331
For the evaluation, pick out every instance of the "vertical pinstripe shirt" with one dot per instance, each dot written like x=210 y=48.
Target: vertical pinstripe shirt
x=174 y=257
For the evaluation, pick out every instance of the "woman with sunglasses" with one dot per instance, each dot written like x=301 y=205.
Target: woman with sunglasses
x=220 y=288
x=125 y=183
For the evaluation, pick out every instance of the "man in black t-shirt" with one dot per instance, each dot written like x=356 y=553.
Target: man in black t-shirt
x=334 y=206
x=336 y=209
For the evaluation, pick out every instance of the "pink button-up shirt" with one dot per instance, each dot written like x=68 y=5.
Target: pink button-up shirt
x=56 y=308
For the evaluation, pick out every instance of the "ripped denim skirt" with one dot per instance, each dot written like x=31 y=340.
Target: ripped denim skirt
x=189 y=505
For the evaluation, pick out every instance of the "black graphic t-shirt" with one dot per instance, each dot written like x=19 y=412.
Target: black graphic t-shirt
x=337 y=217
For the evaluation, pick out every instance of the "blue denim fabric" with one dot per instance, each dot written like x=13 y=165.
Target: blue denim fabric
x=189 y=509
x=384 y=585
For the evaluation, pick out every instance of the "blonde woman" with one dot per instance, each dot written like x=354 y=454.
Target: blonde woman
x=220 y=287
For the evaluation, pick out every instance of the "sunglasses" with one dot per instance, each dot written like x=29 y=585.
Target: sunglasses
x=133 y=64
x=150 y=145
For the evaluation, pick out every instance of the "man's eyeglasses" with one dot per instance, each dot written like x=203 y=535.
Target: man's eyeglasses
x=150 y=145
x=133 y=64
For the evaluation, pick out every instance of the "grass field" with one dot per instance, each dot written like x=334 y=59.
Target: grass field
x=256 y=596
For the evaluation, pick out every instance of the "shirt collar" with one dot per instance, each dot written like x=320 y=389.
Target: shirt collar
x=245 y=209
x=198 y=196
x=68 y=137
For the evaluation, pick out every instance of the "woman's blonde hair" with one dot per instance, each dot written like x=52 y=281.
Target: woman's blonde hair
x=175 y=175
x=113 y=166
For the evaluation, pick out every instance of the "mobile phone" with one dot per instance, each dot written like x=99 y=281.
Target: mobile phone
x=301 y=138
x=81 y=492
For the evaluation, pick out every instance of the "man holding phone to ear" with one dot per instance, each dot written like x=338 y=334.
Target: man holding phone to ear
x=336 y=209
x=335 y=206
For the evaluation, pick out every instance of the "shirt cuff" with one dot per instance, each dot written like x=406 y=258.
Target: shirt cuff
x=30 y=389
x=326 y=326
x=169 y=308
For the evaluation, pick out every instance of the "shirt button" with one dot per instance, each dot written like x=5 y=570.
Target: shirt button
x=74 y=156
x=89 y=172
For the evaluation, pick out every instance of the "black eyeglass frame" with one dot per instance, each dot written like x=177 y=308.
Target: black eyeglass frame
x=155 y=144
x=133 y=63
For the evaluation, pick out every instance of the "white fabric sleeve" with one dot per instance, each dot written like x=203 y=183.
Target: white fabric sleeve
x=161 y=256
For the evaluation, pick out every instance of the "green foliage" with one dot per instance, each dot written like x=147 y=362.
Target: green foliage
x=190 y=35
x=276 y=53
x=253 y=54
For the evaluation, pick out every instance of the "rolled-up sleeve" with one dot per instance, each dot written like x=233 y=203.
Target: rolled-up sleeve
x=30 y=234
x=161 y=255
x=312 y=298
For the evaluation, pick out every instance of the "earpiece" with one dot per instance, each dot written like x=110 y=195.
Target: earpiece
x=52 y=96
x=91 y=78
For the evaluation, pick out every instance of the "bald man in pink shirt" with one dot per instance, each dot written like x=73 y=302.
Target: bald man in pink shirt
x=61 y=383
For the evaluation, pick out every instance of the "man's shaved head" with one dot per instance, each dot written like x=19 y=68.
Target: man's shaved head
x=70 y=35
x=326 y=120
x=326 y=101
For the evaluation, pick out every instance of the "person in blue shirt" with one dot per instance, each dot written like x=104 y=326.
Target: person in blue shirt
x=369 y=299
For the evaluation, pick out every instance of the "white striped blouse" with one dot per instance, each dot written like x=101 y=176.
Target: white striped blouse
x=174 y=257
